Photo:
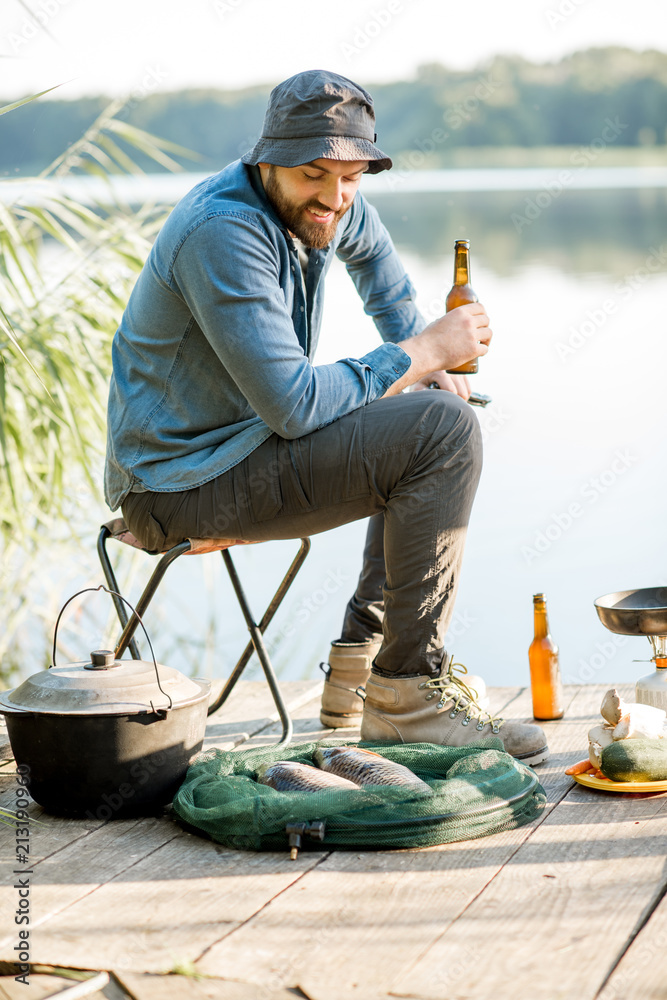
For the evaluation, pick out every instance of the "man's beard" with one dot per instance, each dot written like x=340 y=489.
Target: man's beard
x=312 y=234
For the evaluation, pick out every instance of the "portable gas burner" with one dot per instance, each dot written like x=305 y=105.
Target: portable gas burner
x=641 y=612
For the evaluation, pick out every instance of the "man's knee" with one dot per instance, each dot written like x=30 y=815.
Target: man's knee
x=448 y=418
x=426 y=426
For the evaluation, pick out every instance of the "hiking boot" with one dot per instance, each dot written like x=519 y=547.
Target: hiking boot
x=441 y=710
x=346 y=675
x=348 y=669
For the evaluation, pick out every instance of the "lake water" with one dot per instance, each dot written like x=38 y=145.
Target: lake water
x=571 y=500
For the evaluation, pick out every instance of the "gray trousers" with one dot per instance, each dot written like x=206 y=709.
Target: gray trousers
x=409 y=462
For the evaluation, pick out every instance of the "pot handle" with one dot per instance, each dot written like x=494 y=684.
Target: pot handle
x=115 y=593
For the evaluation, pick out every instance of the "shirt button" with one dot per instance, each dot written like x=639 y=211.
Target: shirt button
x=301 y=308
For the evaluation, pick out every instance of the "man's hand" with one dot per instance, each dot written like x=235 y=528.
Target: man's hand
x=447 y=342
x=453 y=383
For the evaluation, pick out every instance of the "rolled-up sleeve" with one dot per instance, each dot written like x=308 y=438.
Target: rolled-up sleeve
x=227 y=272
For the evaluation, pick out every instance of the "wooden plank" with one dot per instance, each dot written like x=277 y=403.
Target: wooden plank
x=640 y=975
x=42 y=987
x=307 y=728
x=560 y=910
x=38 y=987
x=7 y=784
x=152 y=987
x=360 y=919
x=6 y=754
x=501 y=698
x=49 y=834
x=162 y=909
x=250 y=709
x=167 y=908
x=554 y=916
x=74 y=872
x=355 y=921
x=333 y=991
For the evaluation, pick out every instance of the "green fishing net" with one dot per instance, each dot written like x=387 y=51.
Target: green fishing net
x=477 y=790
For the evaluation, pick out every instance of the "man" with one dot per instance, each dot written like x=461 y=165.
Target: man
x=219 y=424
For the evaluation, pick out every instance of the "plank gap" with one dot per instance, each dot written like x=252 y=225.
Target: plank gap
x=252 y=916
x=639 y=927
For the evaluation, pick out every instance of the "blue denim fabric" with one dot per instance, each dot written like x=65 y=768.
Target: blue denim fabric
x=213 y=352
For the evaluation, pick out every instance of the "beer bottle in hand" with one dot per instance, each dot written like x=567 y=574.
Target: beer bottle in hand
x=545 y=682
x=461 y=293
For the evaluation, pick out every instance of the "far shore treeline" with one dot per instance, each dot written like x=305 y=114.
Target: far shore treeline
x=440 y=118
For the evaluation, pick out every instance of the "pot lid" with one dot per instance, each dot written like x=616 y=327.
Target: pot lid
x=104 y=686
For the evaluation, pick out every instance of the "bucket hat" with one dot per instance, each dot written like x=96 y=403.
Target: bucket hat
x=318 y=114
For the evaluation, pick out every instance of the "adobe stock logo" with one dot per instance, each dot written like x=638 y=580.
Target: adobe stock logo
x=591 y=491
x=557 y=15
x=34 y=23
x=581 y=158
x=223 y=7
x=596 y=318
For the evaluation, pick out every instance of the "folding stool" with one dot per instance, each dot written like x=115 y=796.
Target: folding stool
x=118 y=529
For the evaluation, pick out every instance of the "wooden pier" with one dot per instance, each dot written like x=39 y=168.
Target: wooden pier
x=571 y=907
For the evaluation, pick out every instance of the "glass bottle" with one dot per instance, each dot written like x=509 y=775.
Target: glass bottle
x=461 y=293
x=545 y=681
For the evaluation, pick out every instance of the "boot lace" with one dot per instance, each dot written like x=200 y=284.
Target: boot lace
x=451 y=686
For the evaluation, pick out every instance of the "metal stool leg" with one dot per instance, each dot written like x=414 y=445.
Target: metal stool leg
x=112 y=583
x=276 y=601
x=148 y=594
x=258 y=643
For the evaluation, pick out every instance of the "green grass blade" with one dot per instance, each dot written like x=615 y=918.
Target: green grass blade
x=27 y=100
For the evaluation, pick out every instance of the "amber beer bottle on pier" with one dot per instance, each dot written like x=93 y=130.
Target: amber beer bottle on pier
x=545 y=681
x=460 y=294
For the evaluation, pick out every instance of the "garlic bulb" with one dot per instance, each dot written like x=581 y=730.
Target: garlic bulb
x=599 y=737
x=640 y=722
x=613 y=707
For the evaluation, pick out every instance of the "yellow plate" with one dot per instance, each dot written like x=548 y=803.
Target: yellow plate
x=605 y=785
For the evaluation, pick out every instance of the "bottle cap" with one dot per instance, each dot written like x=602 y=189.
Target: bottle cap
x=539 y=597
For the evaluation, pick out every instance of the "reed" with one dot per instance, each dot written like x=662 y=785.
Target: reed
x=66 y=270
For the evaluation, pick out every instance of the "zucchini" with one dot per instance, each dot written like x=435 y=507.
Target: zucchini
x=635 y=760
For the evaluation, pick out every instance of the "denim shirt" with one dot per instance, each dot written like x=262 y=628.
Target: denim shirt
x=213 y=352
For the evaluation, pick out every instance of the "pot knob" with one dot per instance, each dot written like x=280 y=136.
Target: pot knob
x=101 y=659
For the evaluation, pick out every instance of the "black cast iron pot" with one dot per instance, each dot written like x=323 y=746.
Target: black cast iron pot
x=105 y=738
x=105 y=764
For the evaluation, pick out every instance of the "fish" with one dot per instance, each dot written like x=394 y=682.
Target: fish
x=367 y=768
x=291 y=776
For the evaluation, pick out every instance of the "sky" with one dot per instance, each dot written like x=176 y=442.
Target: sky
x=141 y=46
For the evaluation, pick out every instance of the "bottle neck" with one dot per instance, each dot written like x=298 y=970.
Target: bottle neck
x=461 y=264
x=541 y=620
